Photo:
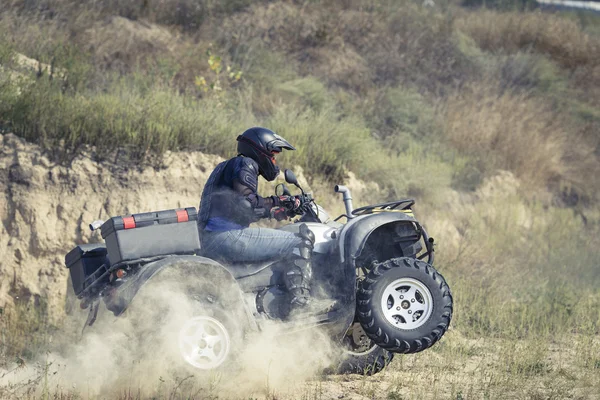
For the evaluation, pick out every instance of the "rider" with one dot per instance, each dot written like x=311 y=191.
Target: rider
x=230 y=203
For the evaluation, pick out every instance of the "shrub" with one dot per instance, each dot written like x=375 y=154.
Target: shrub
x=560 y=38
x=526 y=71
x=516 y=132
x=356 y=49
x=403 y=114
x=308 y=90
x=123 y=116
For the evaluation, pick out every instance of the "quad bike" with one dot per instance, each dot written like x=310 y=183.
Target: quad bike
x=375 y=271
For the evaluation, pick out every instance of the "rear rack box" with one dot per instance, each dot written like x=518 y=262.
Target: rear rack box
x=83 y=261
x=151 y=234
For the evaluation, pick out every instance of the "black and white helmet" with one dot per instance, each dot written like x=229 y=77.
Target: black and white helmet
x=261 y=144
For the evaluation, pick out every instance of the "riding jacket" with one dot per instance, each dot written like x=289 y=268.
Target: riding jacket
x=230 y=199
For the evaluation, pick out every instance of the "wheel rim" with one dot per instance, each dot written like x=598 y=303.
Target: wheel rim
x=204 y=342
x=407 y=303
x=358 y=342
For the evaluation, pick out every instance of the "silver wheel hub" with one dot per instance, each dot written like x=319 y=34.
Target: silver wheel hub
x=358 y=342
x=204 y=342
x=407 y=303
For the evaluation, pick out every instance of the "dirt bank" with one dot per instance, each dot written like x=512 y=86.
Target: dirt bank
x=45 y=209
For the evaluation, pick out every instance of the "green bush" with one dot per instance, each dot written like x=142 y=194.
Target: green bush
x=403 y=115
x=122 y=116
x=309 y=91
x=149 y=122
x=526 y=71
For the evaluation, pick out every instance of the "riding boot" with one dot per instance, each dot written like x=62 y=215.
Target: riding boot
x=299 y=276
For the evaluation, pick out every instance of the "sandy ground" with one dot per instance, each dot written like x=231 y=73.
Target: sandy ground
x=456 y=368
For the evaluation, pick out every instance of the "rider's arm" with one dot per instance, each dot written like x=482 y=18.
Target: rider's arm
x=253 y=197
x=245 y=182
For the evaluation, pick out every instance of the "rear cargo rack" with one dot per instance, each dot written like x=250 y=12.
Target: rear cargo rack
x=398 y=205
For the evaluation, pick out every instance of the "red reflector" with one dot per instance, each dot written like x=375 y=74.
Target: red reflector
x=182 y=216
x=128 y=222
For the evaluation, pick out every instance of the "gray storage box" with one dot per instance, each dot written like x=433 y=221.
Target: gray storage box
x=151 y=234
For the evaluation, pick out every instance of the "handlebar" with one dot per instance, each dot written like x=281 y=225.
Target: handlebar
x=305 y=205
x=305 y=200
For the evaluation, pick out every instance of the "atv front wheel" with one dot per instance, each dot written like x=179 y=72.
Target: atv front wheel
x=404 y=305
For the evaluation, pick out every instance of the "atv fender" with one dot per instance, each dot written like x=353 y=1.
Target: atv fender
x=191 y=266
x=152 y=269
x=356 y=233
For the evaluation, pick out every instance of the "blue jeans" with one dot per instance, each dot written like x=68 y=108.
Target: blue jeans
x=249 y=245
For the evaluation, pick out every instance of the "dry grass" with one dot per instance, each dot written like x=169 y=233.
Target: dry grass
x=95 y=49
x=560 y=38
x=519 y=268
x=354 y=48
x=24 y=334
x=519 y=133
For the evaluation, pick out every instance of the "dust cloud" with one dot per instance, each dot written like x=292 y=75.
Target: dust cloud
x=138 y=355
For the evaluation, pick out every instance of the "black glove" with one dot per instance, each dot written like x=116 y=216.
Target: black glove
x=279 y=213
x=291 y=203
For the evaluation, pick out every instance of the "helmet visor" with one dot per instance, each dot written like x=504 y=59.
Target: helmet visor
x=279 y=144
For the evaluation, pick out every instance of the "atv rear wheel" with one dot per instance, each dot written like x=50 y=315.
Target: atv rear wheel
x=194 y=320
x=361 y=355
x=404 y=305
x=204 y=342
